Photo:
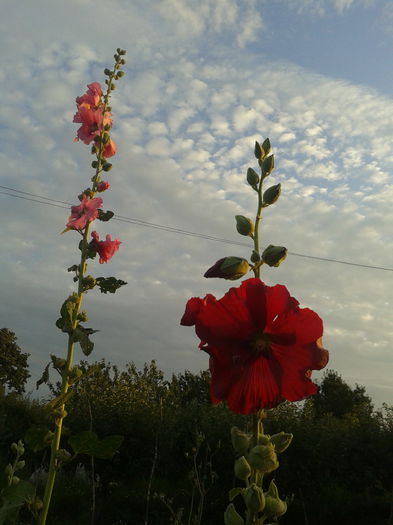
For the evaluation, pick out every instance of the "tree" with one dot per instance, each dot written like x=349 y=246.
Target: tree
x=335 y=396
x=13 y=363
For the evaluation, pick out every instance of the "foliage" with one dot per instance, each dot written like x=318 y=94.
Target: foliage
x=13 y=363
x=341 y=462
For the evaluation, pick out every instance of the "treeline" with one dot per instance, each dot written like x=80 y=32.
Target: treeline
x=175 y=464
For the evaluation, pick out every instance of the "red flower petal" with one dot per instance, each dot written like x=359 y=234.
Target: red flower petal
x=262 y=346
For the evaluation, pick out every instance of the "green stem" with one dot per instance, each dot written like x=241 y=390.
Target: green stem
x=257 y=266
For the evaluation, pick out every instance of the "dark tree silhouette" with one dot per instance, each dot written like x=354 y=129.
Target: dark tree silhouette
x=13 y=363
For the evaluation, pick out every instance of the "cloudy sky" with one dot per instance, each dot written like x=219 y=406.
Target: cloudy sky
x=204 y=80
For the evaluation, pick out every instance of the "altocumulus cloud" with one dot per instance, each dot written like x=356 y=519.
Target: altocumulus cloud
x=186 y=116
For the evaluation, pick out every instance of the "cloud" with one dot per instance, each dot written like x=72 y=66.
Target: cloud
x=186 y=116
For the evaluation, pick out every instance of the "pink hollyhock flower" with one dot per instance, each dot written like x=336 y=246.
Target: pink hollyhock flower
x=92 y=95
x=105 y=249
x=109 y=149
x=262 y=346
x=84 y=213
x=103 y=185
x=91 y=120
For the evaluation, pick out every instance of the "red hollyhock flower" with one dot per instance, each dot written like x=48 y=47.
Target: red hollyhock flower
x=262 y=346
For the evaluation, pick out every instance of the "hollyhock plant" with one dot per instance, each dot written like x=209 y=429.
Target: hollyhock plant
x=262 y=346
x=105 y=249
x=93 y=113
x=84 y=213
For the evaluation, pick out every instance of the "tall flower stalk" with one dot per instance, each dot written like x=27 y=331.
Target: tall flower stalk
x=262 y=350
x=93 y=113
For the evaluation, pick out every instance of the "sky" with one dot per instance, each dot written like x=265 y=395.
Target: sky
x=204 y=79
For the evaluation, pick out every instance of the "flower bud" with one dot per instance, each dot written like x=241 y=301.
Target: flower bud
x=8 y=470
x=14 y=447
x=232 y=517
x=240 y=440
x=268 y=165
x=274 y=506
x=263 y=458
x=242 y=468
x=244 y=225
x=258 y=151
x=254 y=498
x=281 y=441
x=228 y=268
x=274 y=255
x=252 y=177
x=15 y=480
x=272 y=194
x=63 y=455
x=20 y=465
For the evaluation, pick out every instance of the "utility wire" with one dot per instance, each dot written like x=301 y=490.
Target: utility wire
x=139 y=222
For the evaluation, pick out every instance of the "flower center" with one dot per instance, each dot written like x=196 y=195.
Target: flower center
x=260 y=344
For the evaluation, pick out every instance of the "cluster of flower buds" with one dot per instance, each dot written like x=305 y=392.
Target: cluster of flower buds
x=18 y=464
x=232 y=267
x=254 y=460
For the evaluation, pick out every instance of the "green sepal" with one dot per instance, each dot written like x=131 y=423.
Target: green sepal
x=81 y=335
x=274 y=255
x=267 y=165
x=232 y=517
x=252 y=178
x=271 y=195
x=242 y=468
x=281 y=441
x=236 y=491
x=240 y=440
x=109 y=284
x=105 y=215
x=266 y=147
x=254 y=498
x=88 y=443
x=244 y=225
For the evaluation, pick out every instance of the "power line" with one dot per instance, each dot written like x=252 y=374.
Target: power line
x=139 y=222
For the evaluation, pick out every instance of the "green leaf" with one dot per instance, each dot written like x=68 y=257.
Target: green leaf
x=81 y=336
x=109 y=284
x=59 y=400
x=105 y=215
x=14 y=497
x=44 y=378
x=88 y=443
